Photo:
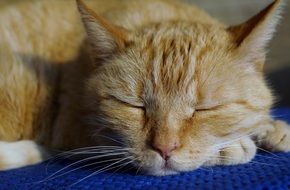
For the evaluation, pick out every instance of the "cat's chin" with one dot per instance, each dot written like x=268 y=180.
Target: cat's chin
x=165 y=168
x=162 y=172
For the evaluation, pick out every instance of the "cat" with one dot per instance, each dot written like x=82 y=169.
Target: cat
x=158 y=83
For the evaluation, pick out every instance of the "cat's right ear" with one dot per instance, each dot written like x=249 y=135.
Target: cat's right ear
x=252 y=36
x=104 y=37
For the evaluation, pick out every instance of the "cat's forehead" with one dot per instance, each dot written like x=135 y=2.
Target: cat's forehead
x=174 y=54
x=184 y=32
x=171 y=69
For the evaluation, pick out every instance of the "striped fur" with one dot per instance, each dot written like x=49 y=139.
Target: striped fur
x=144 y=72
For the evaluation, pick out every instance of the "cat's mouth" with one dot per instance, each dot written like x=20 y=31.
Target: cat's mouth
x=165 y=168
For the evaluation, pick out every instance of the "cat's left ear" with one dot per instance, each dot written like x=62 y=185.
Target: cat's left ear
x=254 y=35
x=104 y=37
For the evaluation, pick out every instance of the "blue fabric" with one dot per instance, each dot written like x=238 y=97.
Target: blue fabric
x=266 y=172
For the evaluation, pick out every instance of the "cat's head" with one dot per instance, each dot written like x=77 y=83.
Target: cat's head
x=176 y=92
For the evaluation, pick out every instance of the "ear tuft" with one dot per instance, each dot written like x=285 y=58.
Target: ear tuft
x=258 y=31
x=104 y=37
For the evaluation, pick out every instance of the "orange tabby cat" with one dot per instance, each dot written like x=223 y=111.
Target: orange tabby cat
x=169 y=87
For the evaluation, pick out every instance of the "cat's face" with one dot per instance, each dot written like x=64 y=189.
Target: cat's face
x=177 y=93
x=180 y=87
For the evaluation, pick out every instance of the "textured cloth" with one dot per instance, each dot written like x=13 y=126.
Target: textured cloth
x=266 y=172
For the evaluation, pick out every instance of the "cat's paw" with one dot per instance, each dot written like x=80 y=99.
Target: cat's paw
x=277 y=139
x=239 y=152
x=18 y=154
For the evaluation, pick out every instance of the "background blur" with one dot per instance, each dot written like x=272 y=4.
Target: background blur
x=237 y=11
x=278 y=62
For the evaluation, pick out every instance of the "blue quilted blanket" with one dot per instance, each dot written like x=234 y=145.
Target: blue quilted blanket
x=267 y=171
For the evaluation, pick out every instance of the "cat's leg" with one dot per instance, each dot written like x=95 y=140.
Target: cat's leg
x=276 y=138
x=239 y=152
x=20 y=153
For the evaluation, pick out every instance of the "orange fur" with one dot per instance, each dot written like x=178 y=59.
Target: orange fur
x=149 y=73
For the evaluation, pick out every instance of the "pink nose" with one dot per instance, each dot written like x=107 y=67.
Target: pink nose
x=165 y=150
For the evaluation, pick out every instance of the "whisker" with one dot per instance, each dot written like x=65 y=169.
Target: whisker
x=280 y=116
x=69 y=154
x=219 y=146
x=90 y=147
x=84 y=166
x=269 y=157
x=95 y=151
x=86 y=148
x=117 y=141
x=104 y=169
x=121 y=168
x=86 y=159
x=262 y=163
x=210 y=73
x=228 y=158
x=264 y=150
x=205 y=169
x=271 y=153
x=141 y=165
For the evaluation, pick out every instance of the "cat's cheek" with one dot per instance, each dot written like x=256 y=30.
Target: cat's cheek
x=150 y=163
x=183 y=163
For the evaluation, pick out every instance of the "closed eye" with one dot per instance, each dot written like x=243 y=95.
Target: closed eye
x=208 y=108
x=128 y=102
x=215 y=107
